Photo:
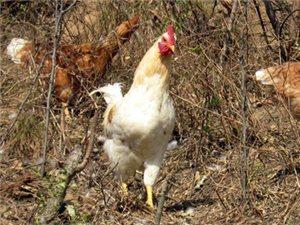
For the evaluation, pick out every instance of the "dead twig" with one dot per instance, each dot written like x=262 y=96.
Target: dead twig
x=275 y=25
x=291 y=206
x=262 y=24
x=284 y=21
x=228 y=36
x=59 y=13
x=164 y=191
x=272 y=16
x=58 y=18
x=244 y=150
x=87 y=154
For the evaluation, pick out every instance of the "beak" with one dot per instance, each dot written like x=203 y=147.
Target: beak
x=172 y=47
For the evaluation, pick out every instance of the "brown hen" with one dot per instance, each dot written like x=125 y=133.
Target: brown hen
x=286 y=80
x=77 y=65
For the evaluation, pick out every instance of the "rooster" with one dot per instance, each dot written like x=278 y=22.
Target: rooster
x=78 y=66
x=139 y=124
x=286 y=79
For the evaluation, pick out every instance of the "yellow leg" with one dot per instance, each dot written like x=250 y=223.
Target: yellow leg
x=124 y=188
x=66 y=111
x=149 y=201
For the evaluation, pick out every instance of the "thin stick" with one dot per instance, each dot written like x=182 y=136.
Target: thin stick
x=161 y=202
x=205 y=109
x=284 y=21
x=271 y=15
x=275 y=24
x=58 y=16
x=244 y=150
x=87 y=154
x=228 y=36
x=262 y=24
x=58 y=24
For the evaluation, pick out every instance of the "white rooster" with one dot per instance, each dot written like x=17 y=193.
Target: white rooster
x=139 y=125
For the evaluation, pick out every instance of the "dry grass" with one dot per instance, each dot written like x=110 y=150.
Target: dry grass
x=208 y=99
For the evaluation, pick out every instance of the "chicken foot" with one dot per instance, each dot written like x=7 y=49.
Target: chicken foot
x=149 y=201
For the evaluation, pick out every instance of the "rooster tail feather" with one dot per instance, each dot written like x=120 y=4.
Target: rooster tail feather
x=112 y=93
x=120 y=35
x=18 y=50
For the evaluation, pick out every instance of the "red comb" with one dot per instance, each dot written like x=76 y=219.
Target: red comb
x=170 y=30
x=171 y=33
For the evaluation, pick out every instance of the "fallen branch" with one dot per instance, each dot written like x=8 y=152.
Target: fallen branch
x=60 y=182
x=164 y=191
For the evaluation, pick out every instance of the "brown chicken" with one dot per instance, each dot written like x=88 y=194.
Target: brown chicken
x=77 y=65
x=286 y=79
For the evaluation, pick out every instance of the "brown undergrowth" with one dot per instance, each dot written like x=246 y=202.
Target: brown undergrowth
x=205 y=168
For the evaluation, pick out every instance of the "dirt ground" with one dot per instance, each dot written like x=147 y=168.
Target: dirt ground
x=204 y=172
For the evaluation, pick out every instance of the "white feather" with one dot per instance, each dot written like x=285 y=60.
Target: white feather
x=260 y=74
x=265 y=77
x=14 y=48
x=111 y=93
x=140 y=130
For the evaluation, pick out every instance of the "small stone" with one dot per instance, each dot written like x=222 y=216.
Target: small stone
x=189 y=211
x=172 y=145
x=95 y=150
x=140 y=221
x=215 y=153
x=12 y=116
x=272 y=140
x=273 y=127
x=215 y=167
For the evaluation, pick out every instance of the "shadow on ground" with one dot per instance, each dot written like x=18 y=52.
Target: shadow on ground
x=183 y=205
